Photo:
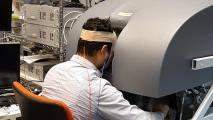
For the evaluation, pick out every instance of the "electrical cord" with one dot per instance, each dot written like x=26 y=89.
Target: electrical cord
x=71 y=13
x=71 y=26
x=182 y=105
x=64 y=34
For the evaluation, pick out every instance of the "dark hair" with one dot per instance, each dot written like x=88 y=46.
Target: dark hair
x=90 y=47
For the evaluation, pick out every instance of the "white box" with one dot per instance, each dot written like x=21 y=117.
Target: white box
x=36 y=71
x=47 y=15
x=51 y=38
x=41 y=34
x=31 y=13
x=31 y=31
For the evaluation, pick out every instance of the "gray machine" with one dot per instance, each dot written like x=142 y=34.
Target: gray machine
x=164 y=47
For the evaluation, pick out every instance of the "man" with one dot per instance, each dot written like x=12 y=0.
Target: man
x=78 y=82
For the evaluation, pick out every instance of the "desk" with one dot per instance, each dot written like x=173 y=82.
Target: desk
x=10 y=113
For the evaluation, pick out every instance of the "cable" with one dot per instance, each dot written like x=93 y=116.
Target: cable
x=182 y=105
x=68 y=22
x=71 y=13
x=74 y=21
x=64 y=34
x=102 y=71
x=99 y=91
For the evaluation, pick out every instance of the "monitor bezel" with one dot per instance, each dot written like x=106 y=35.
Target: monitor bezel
x=18 y=64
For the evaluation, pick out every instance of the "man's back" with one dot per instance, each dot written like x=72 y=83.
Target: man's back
x=77 y=83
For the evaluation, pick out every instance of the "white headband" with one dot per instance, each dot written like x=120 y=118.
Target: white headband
x=98 y=36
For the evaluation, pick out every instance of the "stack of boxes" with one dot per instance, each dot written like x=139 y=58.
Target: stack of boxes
x=41 y=23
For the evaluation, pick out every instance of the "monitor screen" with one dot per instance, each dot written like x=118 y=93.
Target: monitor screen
x=9 y=64
x=5 y=15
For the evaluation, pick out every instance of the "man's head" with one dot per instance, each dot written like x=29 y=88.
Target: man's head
x=96 y=40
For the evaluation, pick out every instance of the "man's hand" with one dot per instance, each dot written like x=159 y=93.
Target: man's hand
x=163 y=108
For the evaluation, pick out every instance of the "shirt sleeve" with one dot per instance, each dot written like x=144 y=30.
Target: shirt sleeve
x=113 y=106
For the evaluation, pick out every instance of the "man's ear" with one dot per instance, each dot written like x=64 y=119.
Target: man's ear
x=104 y=49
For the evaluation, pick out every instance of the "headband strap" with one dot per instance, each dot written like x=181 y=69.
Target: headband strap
x=98 y=36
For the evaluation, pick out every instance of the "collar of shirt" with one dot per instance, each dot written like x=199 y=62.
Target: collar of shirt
x=85 y=63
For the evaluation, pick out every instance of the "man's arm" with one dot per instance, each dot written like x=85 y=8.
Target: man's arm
x=113 y=106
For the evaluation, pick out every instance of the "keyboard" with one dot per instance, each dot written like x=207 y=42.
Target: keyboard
x=4 y=91
x=7 y=100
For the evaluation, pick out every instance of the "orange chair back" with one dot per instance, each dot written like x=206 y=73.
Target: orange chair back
x=34 y=107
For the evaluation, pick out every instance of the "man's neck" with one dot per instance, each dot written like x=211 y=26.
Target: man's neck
x=91 y=59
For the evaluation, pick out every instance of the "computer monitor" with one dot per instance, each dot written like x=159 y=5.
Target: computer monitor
x=5 y=15
x=9 y=64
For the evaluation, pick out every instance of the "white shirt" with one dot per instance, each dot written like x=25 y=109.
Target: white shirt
x=77 y=83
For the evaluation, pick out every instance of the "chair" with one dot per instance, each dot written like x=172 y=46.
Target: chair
x=34 y=107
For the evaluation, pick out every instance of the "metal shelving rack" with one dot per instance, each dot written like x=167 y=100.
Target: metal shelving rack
x=61 y=49
x=61 y=41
